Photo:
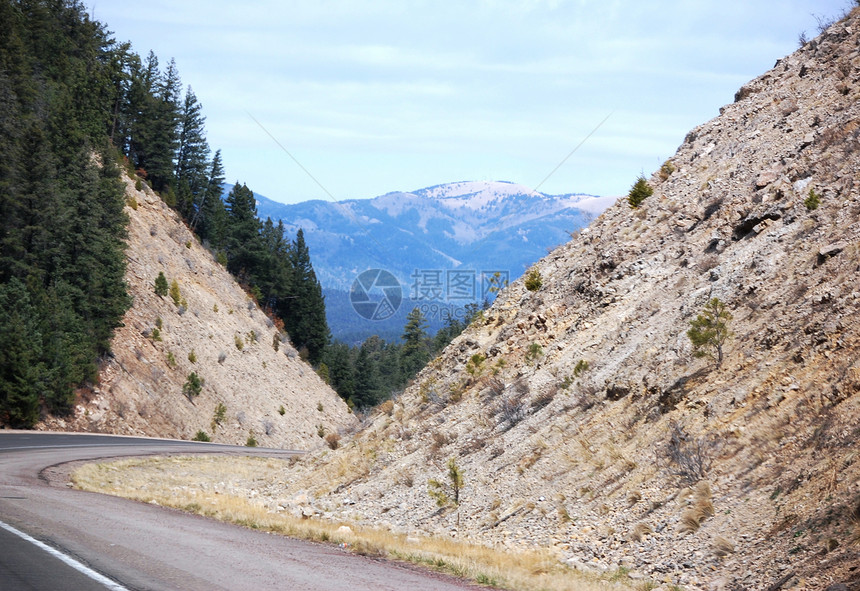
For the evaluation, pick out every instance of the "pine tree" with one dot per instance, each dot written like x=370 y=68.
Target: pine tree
x=192 y=157
x=210 y=215
x=340 y=367
x=305 y=318
x=22 y=370
x=367 y=386
x=161 y=286
x=242 y=240
x=639 y=192
x=710 y=330
x=415 y=352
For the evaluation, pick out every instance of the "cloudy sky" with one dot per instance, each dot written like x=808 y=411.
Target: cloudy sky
x=372 y=96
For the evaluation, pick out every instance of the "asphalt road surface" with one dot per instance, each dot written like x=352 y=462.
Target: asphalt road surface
x=55 y=538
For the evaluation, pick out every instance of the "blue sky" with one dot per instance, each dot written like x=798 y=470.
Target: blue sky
x=372 y=96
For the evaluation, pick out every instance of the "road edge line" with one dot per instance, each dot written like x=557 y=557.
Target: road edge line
x=81 y=568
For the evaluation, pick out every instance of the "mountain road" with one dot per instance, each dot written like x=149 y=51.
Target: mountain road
x=54 y=537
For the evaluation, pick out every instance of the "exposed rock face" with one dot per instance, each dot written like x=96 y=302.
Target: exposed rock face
x=581 y=460
x=141 y=386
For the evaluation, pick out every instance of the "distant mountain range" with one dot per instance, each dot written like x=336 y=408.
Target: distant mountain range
x=441 y=242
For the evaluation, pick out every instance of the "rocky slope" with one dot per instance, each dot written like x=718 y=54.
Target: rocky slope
x=217 y=332
x=581 y=419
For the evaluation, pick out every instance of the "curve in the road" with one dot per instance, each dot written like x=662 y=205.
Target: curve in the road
x=140 y=546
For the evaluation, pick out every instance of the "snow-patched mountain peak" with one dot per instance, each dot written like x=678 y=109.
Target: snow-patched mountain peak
x=481 y=195
x=476 y=194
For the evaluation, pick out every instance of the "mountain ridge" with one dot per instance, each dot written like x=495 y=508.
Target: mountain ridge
x=478 y=227
x=427 y=217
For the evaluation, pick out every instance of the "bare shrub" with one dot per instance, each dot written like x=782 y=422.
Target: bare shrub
x=544 y=399
x=511 y=410
x=440 y=440
x=495 y=387
x=332 y=440
x=386 y=407
x=405 y=478
x=688 y=457
x=268 y=427
x=473 y=445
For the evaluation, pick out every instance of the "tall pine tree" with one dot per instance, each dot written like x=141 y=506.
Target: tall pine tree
x=305 y=319
x=415 y=352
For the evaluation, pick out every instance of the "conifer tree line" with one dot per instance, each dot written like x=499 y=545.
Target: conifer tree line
x=367 y=374
x=75 y=105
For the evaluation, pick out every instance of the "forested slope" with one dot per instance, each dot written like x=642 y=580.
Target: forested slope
x=77 y=109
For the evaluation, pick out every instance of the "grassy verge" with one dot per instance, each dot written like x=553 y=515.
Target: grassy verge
x=229 y=489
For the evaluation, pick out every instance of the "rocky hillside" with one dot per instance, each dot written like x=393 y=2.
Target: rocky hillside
x=580 y=417
x=217 y=332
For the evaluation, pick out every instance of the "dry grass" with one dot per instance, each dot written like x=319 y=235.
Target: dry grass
x=640 y=530
x=700 y=507
x=722 y=546
x=217 y=487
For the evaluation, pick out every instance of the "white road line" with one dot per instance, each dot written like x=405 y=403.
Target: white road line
x=99 y=578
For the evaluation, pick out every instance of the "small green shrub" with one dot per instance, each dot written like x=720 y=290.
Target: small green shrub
x=446 y=494
x=666 y=170
x=320 y=406
x=187 y=244
x=496 y=283
x=161 y=285
x=174 y=293
x=138 y=185
x=132 y=203
x=215 y=308
x=171 y=360
x=219 y=415
x=251 y=441
x=282 y=411
x=534 y=281
x=192 y=356
x=193 y=385
x=321 y=430
x=534 y=352
x=580 y=368
x=475 y=366
x=240 y=343
x=639 y=192
x=710 y=330
x=324 y=373
x=813 y=201
x=156 y=334
x=158 y=322
x=201 y=436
